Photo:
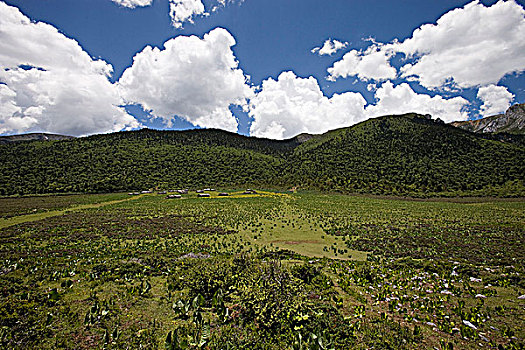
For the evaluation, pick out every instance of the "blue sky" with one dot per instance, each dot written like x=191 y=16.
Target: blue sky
x=257 y=75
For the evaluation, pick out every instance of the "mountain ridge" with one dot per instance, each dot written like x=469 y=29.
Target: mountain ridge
x=399 y=155
x=511 y=122
x=36 y=136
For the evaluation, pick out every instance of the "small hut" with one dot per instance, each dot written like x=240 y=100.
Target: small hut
x=172 y=196
x=203 y=195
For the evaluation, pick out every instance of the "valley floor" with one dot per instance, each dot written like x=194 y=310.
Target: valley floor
x=267 y=270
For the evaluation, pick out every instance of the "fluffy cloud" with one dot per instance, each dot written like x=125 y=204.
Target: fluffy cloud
x=180 y=11
x=467 y=47
x=63 y=91
x=183 y=11
x=133 y=3
x=473 y=46
x=8 y=107
x=223 y=3
x=291 y=105
x=496 y=100
x=402 y=99
x=371 y=64
x=193 y=78
x=329 y=47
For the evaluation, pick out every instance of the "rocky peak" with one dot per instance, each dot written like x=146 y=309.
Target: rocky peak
x=512 y=121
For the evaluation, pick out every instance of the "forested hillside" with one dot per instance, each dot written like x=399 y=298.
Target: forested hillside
x=138 y=160
x=399 y=155
x=409 y=155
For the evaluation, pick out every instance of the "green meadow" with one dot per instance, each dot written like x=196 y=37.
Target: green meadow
x=268 y=270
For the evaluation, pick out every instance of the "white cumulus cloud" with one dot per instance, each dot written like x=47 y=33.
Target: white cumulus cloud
x=223 y=3
x=471 y=46
x=467 y=47
x=48 y=82
x=402 y=99
x=291 y=105
x=371 y=64
x=183 y=11
x=496 y=99
x=133 y=3
x=329 y=47
x=193 y=78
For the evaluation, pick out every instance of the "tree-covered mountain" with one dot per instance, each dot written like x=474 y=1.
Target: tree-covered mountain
x=400 y=155
x=408 y=154
x=137 y=160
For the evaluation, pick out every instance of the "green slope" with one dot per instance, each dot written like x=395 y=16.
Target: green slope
x=139 y=160
x=400 y=155
x=408 y=155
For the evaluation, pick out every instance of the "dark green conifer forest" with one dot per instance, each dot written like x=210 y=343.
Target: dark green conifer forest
x=394 y=155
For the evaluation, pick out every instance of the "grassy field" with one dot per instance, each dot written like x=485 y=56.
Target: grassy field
x=16 y=206
x=261 y=271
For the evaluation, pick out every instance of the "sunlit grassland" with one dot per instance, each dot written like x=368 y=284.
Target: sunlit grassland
x=16 y=206
x=28 y=209
x=371 y=272
x=265 y=219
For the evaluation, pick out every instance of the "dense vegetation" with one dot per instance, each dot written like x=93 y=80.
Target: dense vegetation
x=409 y=155
x=401 y=155
x=251 y=272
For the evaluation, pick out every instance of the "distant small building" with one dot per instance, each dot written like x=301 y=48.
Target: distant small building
x=200 y=191
x=146 y=192
x=222 y=194
x=162 y=192
x=172 y=196
x=202 y=195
